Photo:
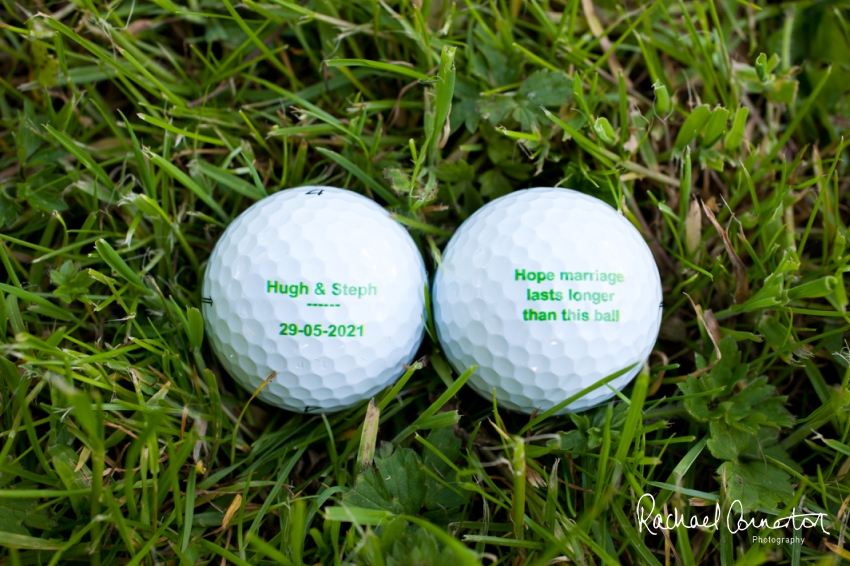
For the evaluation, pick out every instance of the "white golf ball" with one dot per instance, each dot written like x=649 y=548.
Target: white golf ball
x=547 y=291
x=320 y=286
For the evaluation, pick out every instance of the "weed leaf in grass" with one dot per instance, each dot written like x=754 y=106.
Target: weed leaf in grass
x=504 y=153
x=71 y=283
x=497 y=67
x=465 y=105
x=753 y=406
x=9 y=209
x=28 y=141
x=725 y=442
x=442 y=502
x=398 y=179
x=592 y=428
x=546 y=88
x=588 y=434
x=570 y=441
x=45 y=66
x=724 y=374
x=729 y=369
x=406 y=545
x=742 y=429
x=39 y=193
x=45 y=201
x=756 y=484
x=456 y=179
x=65 y=462
x=542 y=88
x=494 y=184
x=18 y=514
x=395 y=483
x=496 y=108
x=455 y=171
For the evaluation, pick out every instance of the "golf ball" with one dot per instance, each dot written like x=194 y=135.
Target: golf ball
x=321 y=287
x=547 y=291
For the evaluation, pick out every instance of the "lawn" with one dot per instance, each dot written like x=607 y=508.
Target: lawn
x=133 y=132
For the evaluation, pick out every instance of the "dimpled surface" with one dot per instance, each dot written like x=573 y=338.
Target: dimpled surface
x=480 y=308
x=317 y=236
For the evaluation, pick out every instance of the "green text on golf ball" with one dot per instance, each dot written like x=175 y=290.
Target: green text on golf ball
x=318 y=330
x=295 y=290
x=599 y=281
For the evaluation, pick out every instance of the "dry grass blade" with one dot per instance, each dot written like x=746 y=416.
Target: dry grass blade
x=368 y=438
x=708 y=322
x=739 y=270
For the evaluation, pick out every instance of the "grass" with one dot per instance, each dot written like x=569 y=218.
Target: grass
x=134 y=132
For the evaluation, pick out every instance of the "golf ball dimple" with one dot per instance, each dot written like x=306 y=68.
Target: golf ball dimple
x=547 y=291
x=320 y=286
